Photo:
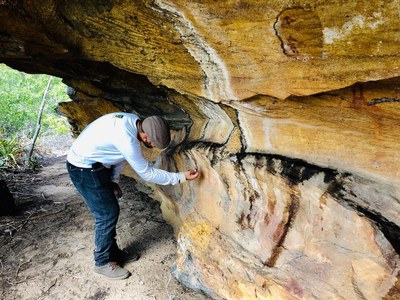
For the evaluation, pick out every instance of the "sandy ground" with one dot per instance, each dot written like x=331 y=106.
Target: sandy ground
x=46 y=250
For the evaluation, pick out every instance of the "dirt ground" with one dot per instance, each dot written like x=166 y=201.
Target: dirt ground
x=46 y=250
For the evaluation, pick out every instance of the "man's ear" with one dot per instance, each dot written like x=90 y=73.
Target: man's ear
x=145 y=138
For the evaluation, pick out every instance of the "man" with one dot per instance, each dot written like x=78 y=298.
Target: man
x=94 y=163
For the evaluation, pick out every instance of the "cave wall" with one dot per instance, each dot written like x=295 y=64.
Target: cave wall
x=290 y=109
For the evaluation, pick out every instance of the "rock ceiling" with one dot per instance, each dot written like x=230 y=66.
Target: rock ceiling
x=290 y=109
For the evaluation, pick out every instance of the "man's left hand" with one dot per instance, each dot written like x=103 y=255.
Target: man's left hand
x=117 y=189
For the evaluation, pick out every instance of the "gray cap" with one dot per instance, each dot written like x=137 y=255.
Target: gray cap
x=157 y=130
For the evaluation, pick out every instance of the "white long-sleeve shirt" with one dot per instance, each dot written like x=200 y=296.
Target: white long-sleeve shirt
x=113 y=140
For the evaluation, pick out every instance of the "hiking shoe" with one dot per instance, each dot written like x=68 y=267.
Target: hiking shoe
x=112 y=271
x=124 y=257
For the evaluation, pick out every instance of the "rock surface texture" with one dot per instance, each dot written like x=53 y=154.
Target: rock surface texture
x=290 y=110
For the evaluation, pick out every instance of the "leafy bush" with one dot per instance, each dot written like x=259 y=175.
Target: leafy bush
x=20 y=99
x=9 y=151
x=21 y=96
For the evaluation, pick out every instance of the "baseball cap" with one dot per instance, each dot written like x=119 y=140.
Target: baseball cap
x=157 y=130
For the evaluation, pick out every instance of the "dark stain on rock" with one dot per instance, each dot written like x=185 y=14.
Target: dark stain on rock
x=296 y=172
x=382 y=100
x=347 y=198
x=283 y=229
x=241 y=220
x=300 y=33
x=266 y=219
x=358 y=99
x=250 y=218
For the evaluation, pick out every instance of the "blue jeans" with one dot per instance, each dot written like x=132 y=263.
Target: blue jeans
x=94 y=184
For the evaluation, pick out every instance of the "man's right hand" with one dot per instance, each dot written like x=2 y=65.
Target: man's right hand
x=192 y=174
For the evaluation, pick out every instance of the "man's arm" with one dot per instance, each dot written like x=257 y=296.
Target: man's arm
x=116 y=171
x=130 y=149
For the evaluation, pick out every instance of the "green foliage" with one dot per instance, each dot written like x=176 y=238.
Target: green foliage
x=20 y=98
x=9 y=151
x=33 y=162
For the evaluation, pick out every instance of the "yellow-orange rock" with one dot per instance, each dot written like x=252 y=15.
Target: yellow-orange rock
x=290 y=110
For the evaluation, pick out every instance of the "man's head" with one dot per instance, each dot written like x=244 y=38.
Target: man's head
x=157 y=131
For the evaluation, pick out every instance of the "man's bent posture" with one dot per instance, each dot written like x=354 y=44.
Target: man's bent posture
x=94 y=163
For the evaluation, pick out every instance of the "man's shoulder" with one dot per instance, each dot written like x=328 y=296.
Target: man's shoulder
x=125 y=122
x=121 y=115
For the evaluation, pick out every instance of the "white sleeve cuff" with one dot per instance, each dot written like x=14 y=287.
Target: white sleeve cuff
x=115 y=177
x=181 y=177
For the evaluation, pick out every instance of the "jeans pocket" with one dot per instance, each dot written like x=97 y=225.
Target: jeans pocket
x=101 y=177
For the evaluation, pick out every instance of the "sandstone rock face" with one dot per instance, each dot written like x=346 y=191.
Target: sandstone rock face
x=290 y=110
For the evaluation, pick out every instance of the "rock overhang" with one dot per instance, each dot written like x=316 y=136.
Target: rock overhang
x=289 y=110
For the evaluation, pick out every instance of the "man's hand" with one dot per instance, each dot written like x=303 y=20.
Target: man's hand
x=192 y=174
x=117 y=189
